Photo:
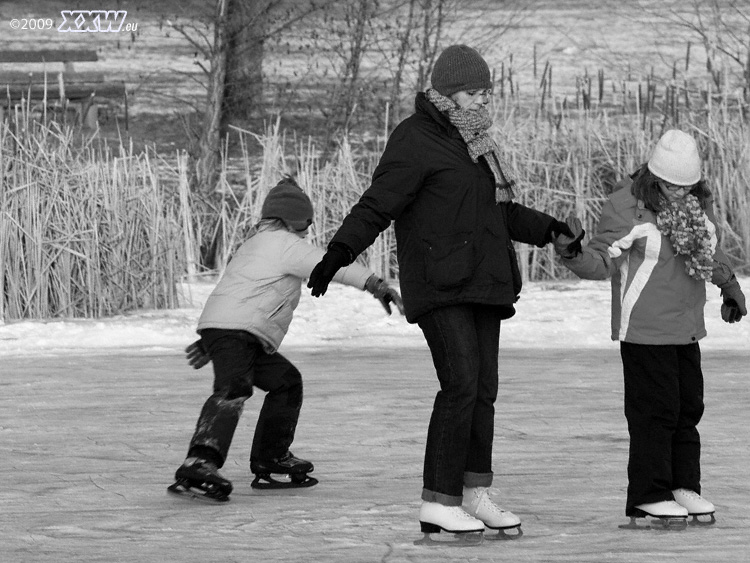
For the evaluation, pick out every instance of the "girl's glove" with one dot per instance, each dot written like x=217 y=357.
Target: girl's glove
x=733 y=308
x=568 y=244
x=384 y=293
x=197 y=355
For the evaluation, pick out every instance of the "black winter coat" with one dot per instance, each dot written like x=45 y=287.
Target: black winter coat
x=454 y=243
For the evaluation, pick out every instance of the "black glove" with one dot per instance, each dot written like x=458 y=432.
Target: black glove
x=197 y=355
x=337 y=256
x=555 y=229
x=569 y=245
x=733 y=308
x=384 y=293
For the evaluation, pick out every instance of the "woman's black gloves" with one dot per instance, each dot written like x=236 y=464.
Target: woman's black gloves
x=337 y=256
x=568 y=236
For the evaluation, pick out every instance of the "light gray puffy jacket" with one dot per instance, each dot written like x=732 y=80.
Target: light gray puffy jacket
x=261 y=286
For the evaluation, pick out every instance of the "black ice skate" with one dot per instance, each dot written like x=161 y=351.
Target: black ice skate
x=200 y=479
x=293 y=473
x=667 y=515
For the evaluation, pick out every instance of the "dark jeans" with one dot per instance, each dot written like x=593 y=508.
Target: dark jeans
x=240 y=362
x=663 y=405
x=464 y=341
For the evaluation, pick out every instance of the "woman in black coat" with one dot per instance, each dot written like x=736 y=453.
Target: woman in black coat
x=442 y=181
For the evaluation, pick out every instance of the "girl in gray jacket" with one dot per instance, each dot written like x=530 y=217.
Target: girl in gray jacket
x=241 y=328
x=657 y=241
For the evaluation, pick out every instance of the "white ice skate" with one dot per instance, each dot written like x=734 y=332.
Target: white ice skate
x=696 y=506
x=668 y=515
x=477 y=503
x=435 y=518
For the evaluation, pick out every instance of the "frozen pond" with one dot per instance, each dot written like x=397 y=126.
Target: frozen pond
x=90 y=443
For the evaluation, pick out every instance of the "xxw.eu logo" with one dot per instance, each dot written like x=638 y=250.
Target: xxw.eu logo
x=93 y=21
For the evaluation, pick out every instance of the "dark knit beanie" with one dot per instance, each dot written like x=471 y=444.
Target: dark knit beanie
x=287 y=201
x=459 y=67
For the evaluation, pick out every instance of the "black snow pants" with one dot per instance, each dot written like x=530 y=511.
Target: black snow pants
x=240 y=363
x=663 y=405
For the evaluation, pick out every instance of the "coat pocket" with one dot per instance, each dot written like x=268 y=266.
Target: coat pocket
x=503 y=264
x=450 y=260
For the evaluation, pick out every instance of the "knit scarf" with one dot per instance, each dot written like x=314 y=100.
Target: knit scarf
x=684 y=223
x=473 y=125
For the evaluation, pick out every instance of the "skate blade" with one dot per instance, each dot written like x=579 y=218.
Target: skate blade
x=633 y=525
x=183 y=489
x=696 y=521
x=504 y=535
x=662 y=524
x=265 y=482
x=469 y=539
x=669 y=524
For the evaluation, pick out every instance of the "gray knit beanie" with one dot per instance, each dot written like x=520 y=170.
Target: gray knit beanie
x=459 y=67
x=287 y=201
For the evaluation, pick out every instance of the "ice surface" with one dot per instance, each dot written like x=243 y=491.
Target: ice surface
x=95 y=417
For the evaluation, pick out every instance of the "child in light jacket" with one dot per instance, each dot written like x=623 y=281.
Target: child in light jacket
x=656 y=239
x=241 y=328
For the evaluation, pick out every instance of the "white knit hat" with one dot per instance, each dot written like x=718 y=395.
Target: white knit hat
x=676 y=159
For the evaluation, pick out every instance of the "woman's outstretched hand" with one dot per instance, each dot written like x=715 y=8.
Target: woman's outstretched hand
x=568 y=241
x=334 y=259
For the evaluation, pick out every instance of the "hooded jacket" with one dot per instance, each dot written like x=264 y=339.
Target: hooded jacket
x=261 y=286
x=454 y=242
x=654 y=300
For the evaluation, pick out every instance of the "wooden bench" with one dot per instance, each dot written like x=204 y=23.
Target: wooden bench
x=43 y=81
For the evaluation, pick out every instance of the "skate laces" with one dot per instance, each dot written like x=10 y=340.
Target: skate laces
x=689 y=494
x=194 y=461
x=200 y=463
x=288 y=456
x=460 y=513
x=486 y=502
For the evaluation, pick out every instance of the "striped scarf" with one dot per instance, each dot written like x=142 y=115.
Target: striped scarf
x=473 y=126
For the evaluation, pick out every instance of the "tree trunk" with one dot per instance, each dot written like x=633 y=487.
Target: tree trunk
x=247 y=22
x=209 y=144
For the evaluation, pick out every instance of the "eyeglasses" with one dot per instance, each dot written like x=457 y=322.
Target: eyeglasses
x=474 y=93
x=673 y=187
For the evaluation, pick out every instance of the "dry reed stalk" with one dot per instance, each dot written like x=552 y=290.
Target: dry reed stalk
x=192 y=259
x=83 y=233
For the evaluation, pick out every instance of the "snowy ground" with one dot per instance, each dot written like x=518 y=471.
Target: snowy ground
x=570 y=314
x=96 y=415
